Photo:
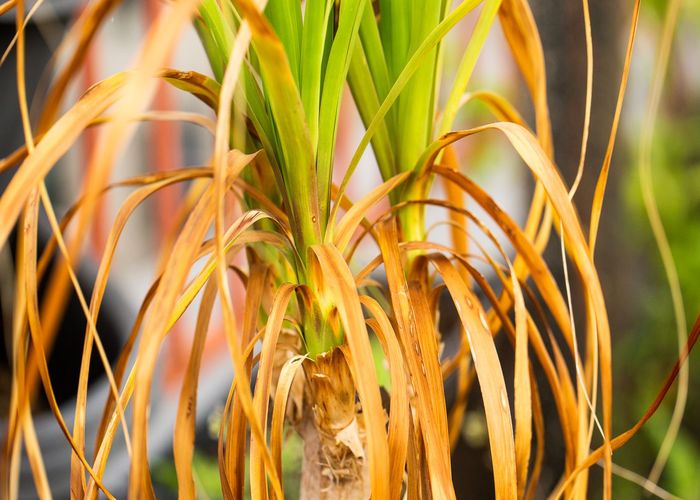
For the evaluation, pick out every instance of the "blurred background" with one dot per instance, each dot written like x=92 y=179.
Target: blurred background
x=640 y=308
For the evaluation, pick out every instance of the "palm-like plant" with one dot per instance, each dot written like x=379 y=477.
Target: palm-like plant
x=279 y=70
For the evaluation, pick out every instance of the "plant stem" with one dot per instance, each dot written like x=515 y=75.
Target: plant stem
x=412 y=216
x=334 y=463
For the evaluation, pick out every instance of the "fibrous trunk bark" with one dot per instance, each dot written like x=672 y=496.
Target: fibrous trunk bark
x=334 y=464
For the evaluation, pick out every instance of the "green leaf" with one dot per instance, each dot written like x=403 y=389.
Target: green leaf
x=211 y=49
x=435 y=36
x=466 y=65
x=285 y=17
x=295 y=151
x=394 y=29
x=374 y=52
x=316 y=22
x=334 y=81
x=417 y=101
x=217 y=36
x=365 y=96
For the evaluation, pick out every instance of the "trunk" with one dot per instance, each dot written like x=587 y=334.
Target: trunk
x=334 y=464
x=329 y=469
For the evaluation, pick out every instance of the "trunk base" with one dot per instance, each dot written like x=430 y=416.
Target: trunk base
x=334 y=464
x=330 y=470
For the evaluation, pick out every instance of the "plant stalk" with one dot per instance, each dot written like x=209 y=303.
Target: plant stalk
x=334 y=462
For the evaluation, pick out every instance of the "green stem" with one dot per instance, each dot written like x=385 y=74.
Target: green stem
x=412 y=217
